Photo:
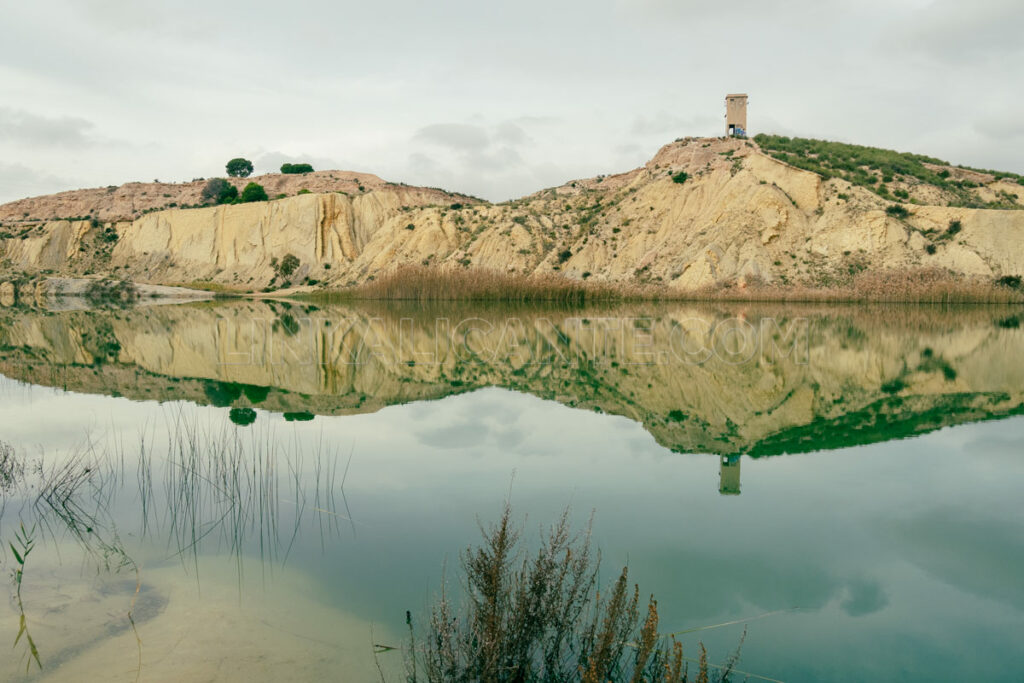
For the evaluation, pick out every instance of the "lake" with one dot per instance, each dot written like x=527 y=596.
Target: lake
x=267 y=487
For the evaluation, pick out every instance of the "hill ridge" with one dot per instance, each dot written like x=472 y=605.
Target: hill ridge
x=702 y=212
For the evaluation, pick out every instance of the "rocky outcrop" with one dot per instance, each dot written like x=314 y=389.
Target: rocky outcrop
x=739 y=214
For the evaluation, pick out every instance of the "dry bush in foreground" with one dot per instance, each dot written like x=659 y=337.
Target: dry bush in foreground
x=540 y=618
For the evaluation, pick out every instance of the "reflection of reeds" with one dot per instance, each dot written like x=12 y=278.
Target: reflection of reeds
x=21 y=547
x=12 y=469
x=219 y=484
x=192 y=485
x=226 y=486
x=71 y=498
x=541 y=618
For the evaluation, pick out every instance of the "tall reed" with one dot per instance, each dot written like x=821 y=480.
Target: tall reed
x=422 y=283
x=911 y=285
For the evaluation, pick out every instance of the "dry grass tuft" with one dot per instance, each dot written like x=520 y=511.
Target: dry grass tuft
x=531 y=619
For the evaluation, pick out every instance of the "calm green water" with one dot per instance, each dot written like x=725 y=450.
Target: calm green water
x=268 y=488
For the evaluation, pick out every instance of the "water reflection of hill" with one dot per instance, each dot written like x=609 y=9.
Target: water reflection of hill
x=746 y=379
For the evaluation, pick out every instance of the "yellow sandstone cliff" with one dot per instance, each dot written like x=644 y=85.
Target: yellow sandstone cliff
x=740 y=214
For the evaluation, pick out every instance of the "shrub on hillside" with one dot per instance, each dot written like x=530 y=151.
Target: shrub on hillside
x=289 y=264
x=680 y=177
x=254 y=192
x=897 y=211
x=109 y=291
x=219 y=191
x=239 y=168
x=1011 y=281
x=296 y=168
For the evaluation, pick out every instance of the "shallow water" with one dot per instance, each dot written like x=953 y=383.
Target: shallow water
x=841 y=482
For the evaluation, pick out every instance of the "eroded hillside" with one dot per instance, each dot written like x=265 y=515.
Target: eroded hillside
x=738 y=214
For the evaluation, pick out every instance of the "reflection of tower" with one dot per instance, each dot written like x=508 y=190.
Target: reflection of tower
x=729 y=475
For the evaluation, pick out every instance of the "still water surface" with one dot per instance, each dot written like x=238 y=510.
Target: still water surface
x=269 y=487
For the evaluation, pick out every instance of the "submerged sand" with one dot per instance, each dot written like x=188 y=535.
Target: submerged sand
x=269 y=626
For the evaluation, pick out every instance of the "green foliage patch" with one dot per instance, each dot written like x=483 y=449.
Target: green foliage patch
x=866 y=166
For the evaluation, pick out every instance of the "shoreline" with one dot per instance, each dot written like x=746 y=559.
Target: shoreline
x=425 y=285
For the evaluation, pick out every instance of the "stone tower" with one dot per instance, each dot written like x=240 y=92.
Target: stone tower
x=736 y=115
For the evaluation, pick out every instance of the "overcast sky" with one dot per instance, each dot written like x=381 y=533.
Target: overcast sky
x=494 y=99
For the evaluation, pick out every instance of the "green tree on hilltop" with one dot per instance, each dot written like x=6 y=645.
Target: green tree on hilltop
x=239 y=168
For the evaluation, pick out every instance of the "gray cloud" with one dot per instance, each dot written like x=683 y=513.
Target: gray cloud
x=953 y=31
x=18 y=181
x=1008 y=124
x=511 y=133
x=26 y=128
x=602 y=83
x=458 y=136
x=478 y=158
x=664 y=124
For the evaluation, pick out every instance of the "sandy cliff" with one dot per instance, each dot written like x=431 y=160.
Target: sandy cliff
x=740 y=213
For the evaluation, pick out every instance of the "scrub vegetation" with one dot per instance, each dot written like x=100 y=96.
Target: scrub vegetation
x=876 y=169
x=542 y=616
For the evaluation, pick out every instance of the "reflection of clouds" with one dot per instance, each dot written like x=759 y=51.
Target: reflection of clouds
x=510 y=438
x=461 y=435
x=485 y=417
x=982 y=557
x=864 y=596
x=773 y=578
x=1004 y=449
